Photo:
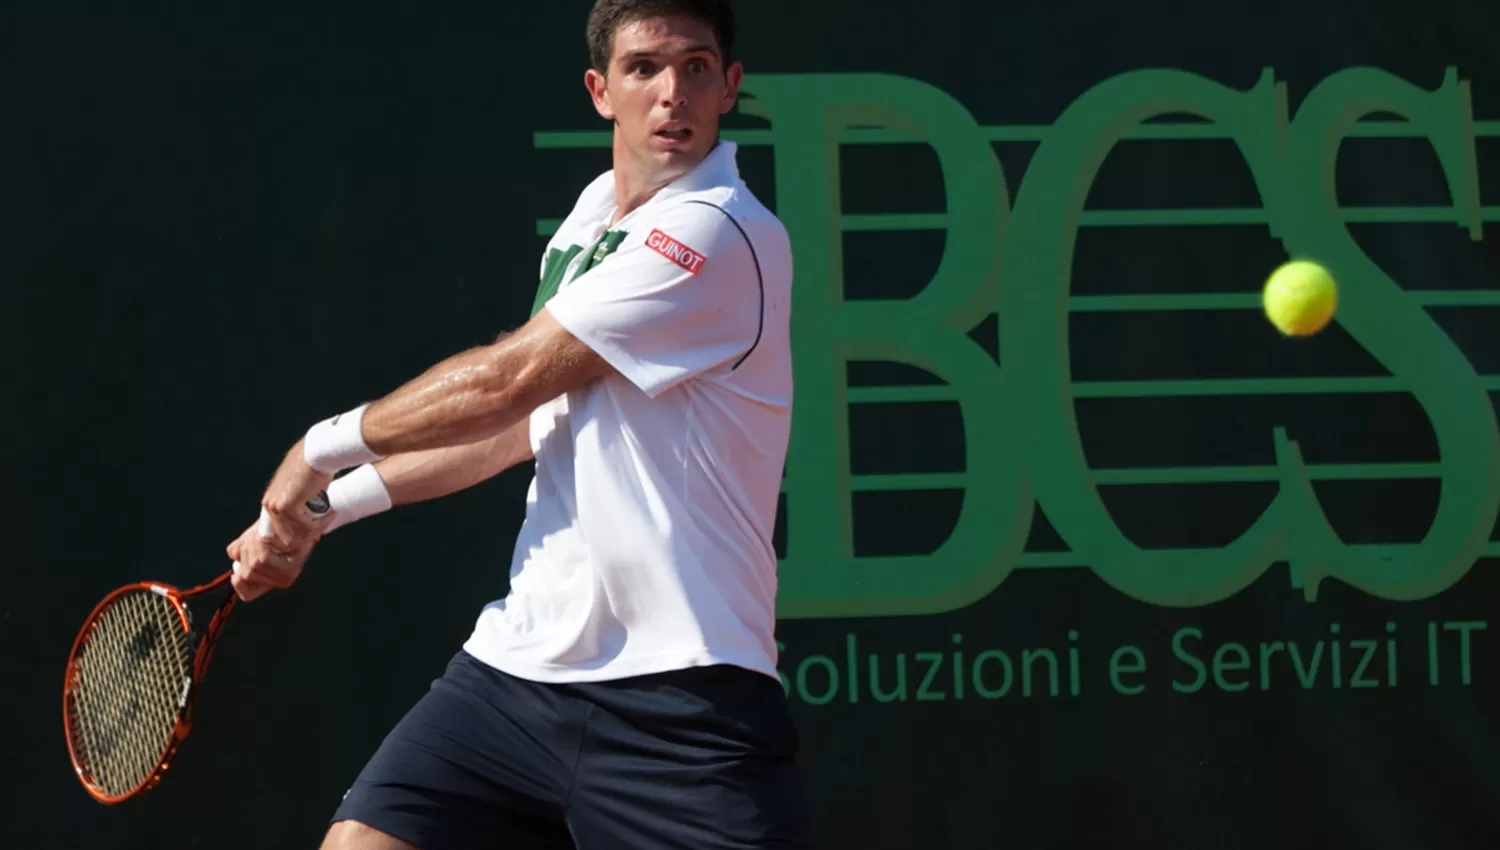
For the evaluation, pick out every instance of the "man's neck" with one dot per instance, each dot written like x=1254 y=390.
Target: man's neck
x=633 y=190
x=634 y=185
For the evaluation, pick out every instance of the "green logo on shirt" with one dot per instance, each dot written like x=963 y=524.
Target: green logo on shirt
x=558 y=260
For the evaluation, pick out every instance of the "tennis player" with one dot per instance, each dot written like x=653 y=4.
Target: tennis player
x=624 y=693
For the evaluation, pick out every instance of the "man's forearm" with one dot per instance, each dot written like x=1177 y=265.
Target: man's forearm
x=481 y=392
x=465 y=399
x=424 y=475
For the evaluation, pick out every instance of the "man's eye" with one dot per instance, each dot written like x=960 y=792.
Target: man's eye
x=697 y=66
x=641 y=68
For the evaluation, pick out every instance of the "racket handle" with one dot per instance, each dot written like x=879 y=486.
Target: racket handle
x=318 y=505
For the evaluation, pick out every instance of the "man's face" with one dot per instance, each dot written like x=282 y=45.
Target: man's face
x=666 y=88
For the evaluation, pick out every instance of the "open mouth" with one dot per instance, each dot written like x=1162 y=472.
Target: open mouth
x=676 y=134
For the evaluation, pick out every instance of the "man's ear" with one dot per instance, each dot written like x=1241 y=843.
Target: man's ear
x=733 y=75
x=598 y=86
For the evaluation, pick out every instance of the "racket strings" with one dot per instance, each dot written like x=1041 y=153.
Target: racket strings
x=127 y=690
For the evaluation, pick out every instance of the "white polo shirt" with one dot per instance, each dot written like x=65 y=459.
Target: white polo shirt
x=647 y=540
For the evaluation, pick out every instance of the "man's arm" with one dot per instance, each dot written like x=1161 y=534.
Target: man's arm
x=403 y=479
x=422 y=476
x=483 y=391
x=654 y=317
x=468 y=398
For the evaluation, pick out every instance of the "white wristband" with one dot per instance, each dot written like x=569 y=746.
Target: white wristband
x=362 y=493
x=334 y=445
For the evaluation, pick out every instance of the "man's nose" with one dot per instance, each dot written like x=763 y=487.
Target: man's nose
x=672 y=89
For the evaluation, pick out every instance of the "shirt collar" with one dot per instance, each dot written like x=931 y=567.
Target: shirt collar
x=717 y=169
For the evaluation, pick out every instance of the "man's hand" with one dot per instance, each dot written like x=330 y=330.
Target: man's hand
x=263 y=566
x=271 y=553
x=286 y=498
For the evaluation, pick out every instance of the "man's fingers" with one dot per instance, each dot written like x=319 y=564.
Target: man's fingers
x=271 y=568
x=250 y=591
x=261 y=563
x=273 y=561
x=294 y=528
x=246 y=589
x=291 y=487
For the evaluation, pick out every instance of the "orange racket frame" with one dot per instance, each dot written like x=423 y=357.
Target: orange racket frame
x=201 y=657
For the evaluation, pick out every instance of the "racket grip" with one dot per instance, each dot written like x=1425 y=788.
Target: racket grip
x=317 y=505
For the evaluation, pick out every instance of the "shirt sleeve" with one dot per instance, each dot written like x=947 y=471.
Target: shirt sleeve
x=680 y=297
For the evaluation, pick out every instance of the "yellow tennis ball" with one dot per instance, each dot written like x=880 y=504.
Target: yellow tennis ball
x=1300 y=298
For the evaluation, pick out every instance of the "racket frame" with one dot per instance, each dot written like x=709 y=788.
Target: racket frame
x=201 y=656
x=316 y=506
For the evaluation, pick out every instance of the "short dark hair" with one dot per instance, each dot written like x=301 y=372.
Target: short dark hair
x=609 y=15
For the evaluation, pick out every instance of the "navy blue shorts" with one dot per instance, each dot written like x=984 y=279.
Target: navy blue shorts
x=700 y=758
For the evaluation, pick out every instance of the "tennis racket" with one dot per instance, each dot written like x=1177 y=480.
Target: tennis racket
x=132 y=680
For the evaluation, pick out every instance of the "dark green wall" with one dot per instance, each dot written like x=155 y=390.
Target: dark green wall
x=222 y=221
